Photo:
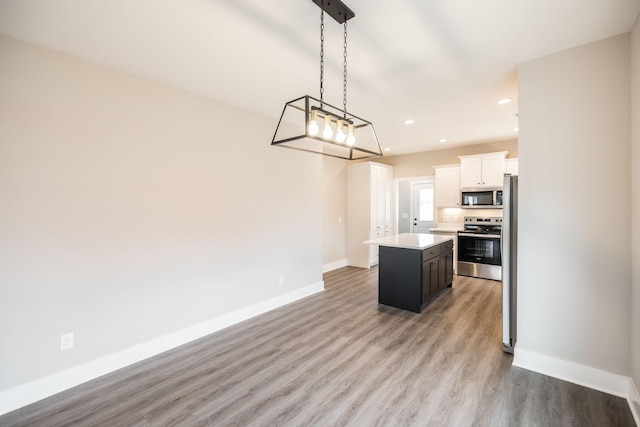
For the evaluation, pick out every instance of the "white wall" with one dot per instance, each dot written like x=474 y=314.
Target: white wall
x=131 y=210
x=334 y=210
x=635 y=261
x=575 y=189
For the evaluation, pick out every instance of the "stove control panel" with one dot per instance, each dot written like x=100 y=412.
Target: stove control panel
x=478 y=220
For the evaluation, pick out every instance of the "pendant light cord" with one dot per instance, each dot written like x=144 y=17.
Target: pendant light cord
x=321 y=58
x=344 y=88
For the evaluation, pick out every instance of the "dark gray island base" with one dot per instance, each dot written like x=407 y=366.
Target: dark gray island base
x=411 y=275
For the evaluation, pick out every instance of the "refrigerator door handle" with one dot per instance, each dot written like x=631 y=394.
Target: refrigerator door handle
x=505 y=245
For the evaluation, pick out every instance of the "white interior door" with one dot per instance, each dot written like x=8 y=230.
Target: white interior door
x=422 y=207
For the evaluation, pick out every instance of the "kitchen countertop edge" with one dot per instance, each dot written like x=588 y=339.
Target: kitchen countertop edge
x=418 y=241
x=446 y=229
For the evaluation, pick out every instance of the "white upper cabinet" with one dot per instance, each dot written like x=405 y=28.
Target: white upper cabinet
x=447 y=186
x=482 y=170
x=493 y=171
x=470 y=171
x=511 y=166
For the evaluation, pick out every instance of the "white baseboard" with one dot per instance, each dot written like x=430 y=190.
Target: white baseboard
x=597 y=379
x=335 y=265
x=634 y=401
x=31 y=392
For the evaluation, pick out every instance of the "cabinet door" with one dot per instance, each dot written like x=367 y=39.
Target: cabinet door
x=426 y=284
x=450 y=259
x=373 y=214
x=373 y=196
x=377 y=191
x=492 y=171
x=388 y=191
x=365 y=211
x=429 y=279
x=445 y=269
x=374 y=250
x=485 y=170
x=447 y=187
x=434 y=275
x=377 y=215
x=511 y=166
x=471 y=172
x=441 y=272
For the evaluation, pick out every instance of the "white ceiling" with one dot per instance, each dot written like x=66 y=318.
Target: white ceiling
x=443 y=63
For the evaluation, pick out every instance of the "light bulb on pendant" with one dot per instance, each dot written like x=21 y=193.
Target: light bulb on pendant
x=351 y=139
x=327 y=132
x=313 y=124
x=340 y=136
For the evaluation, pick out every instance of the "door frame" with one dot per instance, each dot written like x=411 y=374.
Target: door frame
x=396 y=201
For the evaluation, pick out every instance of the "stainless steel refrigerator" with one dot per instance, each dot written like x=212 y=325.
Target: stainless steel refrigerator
x=509 y=247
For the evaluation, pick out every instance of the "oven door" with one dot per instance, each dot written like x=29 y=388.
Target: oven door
x=479 y=256
x=479 y=248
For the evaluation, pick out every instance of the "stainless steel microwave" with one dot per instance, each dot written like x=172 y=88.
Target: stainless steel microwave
x=477 y=198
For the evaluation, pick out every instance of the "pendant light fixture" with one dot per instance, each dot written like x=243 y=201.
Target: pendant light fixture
x=310 y=124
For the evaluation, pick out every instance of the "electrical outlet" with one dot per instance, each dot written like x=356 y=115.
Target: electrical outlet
x=66 y=341
x=281 y=279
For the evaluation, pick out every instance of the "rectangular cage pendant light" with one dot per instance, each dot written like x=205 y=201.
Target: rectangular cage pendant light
x=310 y=124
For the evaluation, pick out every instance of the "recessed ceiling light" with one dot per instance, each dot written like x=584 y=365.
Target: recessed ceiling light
x=387 y=149
x=443 y=140
x=409 y=122
x=504 y=101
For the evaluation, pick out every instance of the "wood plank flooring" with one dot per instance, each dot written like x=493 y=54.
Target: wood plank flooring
x=339 y=359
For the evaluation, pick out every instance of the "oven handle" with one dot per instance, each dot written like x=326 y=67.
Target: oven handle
x=482 y=236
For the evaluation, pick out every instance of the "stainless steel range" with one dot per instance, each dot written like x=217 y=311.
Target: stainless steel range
x=479 y=248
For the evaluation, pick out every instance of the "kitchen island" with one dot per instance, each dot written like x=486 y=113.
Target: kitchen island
x=413 y=269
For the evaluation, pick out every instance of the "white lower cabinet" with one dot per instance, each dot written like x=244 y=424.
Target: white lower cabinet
x=374 y=249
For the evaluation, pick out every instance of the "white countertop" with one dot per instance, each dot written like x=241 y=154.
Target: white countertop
x=409 y=240
x=446 y=229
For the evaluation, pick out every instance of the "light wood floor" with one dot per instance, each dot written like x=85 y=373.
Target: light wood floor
x=334 y=359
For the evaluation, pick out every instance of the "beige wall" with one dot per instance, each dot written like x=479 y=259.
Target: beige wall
x=334 y=210
x=574 y=269
x=131 y=210
x=421 y=164
x=635 y=219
